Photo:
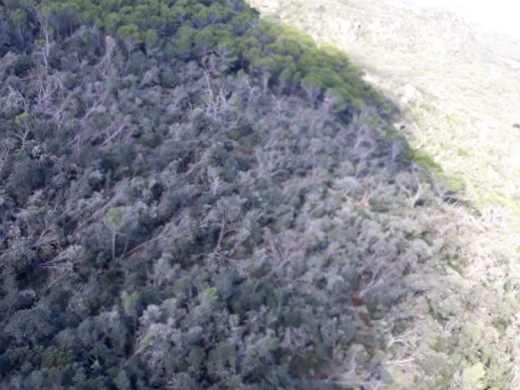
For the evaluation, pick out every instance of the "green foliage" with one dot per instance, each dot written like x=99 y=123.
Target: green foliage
x=130 y=31
x=18 y=17
x=453 y=183
x=114 y=216
x=287 y=57
x=130 y=301
x=425 y=160
x=21 y=118
x=56 y=358
x=210 y=294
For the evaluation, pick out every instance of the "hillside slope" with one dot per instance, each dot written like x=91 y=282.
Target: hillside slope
x=458 y=85
x=192 y=198
x=458 y=88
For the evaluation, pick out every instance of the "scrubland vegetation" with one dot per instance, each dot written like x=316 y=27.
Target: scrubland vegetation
x=192 y=198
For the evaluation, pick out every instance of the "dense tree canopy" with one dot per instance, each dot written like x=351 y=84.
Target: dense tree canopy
x=193 y=199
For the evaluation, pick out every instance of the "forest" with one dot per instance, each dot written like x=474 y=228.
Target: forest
x=193 y=198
